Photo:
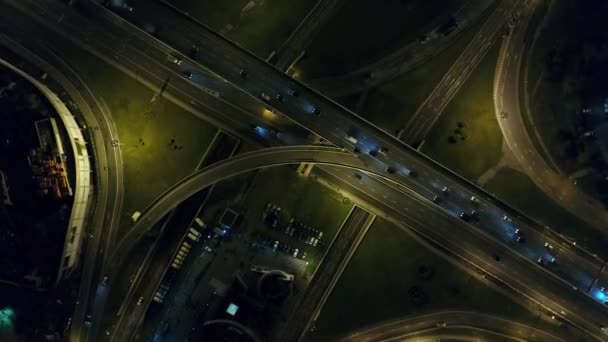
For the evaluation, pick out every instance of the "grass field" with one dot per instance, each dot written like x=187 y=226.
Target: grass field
x=151 y=163
x=473 y=106
x=374 y=286
x=391 y=105
x=262 y=29
x=551 y=110
x=516 y=189
x=359 y=33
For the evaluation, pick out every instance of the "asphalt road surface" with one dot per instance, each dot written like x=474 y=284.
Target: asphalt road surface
x=303 y=35
x=506 y=100
x=109 y=176
x=326 y=275
x=428 y=175
x=428 y=113
x=442 y=322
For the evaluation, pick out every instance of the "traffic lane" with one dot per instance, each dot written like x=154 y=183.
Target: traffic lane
x=507 y=94
x=505 y=233
x=453 y=319
x=135 y=312
x=308 y=304
x=93 y=116
x=561 y=268
x=469 y=248
x=258 y=90
x=543 y=287
x=449 y=84
x=242 y=163
x=139 y=58
x=509 y=102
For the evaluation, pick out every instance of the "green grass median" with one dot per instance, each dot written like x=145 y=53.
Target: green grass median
x=361 y=32
x=470 y=120
x=160 y=143
x=392 y=104
x=375 y=285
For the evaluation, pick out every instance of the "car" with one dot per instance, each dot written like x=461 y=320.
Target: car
x=319 y=235
x=292 y=92
x=303 y=255
x=279 y=98
x=243 y=74
x=187 y=74
x=127 y=7
x=383 y=150
x=194 y=51
x=464 y=216
x=548 y=246
x=445 y=189
x=174 y=59
x=265 y=96
x=295 y=253
x=506 y=218
x=276 y=245
x=140 y=301
x=88 y=320
x=546 y=261
x=475 y=214
x=496 y=257
x=410 y=173
x=390 y=170
x=316 y=111
x=520 y=239
x=442 y=325
x=358 y=176
x=474 y=200
x=208 y=249
x=104 y=281
x=373 y=152
x=356 y=149
x=436 y=199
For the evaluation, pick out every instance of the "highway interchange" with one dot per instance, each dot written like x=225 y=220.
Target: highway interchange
x=430 y=179
x=434 y=328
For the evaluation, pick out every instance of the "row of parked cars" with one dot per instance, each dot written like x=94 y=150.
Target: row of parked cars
x=278 y=246
x=294 y=229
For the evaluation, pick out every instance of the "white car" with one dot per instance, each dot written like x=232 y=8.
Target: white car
x=295 y=253
x=174 y=59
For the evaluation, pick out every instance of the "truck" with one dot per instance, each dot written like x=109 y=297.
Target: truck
x=195 y=232
x=352 y=139
x=135 y=216
x=193 y=237
x=200 y=223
